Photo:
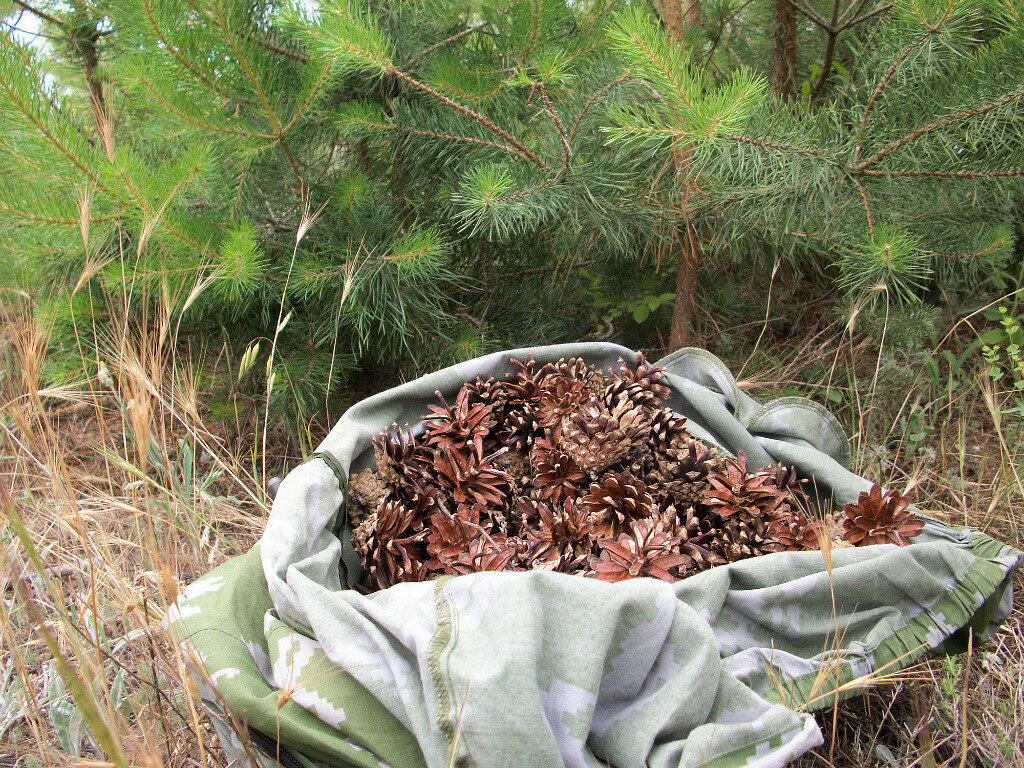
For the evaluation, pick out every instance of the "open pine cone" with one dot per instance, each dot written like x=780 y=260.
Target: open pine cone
x=642 y=552
x=459 y=425
x=391 y=541
x=616 y=502
x=735 y=492
x=597 y=436
x=880 y=518
x=682 y=473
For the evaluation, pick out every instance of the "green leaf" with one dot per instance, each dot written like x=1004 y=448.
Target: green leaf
x=993 y=336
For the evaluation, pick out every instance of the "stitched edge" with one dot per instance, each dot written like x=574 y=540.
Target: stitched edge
x=715 y=362
x=438 y=643
x=818 y=410
x=339 y=525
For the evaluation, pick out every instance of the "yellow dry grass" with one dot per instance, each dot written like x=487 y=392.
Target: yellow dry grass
x=104 y=519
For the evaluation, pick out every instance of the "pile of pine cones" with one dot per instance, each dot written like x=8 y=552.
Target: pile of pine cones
x=564 y=467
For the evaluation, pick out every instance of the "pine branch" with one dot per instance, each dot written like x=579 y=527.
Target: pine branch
x=563 y=138
x=966 y=114
x=866 y=16
x=309 y=98
x=161 y=35
x=275 y=123
x=938 y=174
x=816 y=18
x=417 y=58
x=298 y=56
x=966 y=255
x=173 y=109
x=473 y=115
x=37 y=218
x=39 y=14
x=867 y=208
x=598 y=95
x=900 y=58
x=767 y=144
x=45 y=130
x=447 y=137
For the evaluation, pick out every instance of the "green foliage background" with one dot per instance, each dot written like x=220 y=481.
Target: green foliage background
x=395 y=186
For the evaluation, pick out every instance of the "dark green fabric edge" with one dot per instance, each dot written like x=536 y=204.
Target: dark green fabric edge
x=258 y=710
x=341 y=521
x=741 y=757
x=906 y=645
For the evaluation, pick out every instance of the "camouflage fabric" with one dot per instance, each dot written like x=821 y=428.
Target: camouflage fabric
x=542 y=669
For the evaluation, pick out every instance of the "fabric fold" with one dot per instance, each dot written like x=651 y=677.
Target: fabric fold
x=544 y=669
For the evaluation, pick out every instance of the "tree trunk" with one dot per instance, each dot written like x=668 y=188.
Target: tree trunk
x=676 y=15
x=783 y=50
x=688 y=243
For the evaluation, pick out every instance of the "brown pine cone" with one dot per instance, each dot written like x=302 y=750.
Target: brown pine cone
x=391 y=540
x=736 y=492
x=616 y=500
x=681 y=476
x=639 y=552
x=598 y=438
x=458 y=425
x=562 y=541
x=402 y=462
x=469 y=478
x=556 y=475
x=792 y=530
x=639 y=386
x=879 y=518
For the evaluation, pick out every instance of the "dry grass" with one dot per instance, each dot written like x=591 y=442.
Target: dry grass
x=117 y=518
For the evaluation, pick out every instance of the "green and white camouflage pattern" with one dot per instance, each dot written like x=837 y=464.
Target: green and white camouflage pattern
x=543 y=669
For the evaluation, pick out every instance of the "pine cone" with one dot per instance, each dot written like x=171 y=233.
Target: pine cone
x=687 y=537
x=526 y=382
x=640 y=552
x=792 y=530
x=517 y=428
x=449 y=537
x=558 y=399
x=514 y=405
x=784 y=478
x=458 y=425
x=682 y=473
x=735 y=492
x=556 y=475
x=737 y=539
x=637 y=386
x=484 y=554
x=574 y=369
x=879 y=518
x=668 y=431
x=597 y=437
x=469 y=478
x=562 y=540
x=615 y=501
x=366 y=491
x=483 y=392
x=390 y=541
x=401 y=461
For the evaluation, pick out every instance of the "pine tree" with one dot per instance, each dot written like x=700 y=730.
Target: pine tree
x=384 y=184
x=402 y=185
x=889 y=159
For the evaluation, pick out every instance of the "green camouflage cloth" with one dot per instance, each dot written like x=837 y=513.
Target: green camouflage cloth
x=544 y=669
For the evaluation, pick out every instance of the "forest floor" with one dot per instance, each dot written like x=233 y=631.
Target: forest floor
x=117 y=491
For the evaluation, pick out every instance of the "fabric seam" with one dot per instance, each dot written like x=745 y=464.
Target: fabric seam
x=974 y=576
x=817 y=409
